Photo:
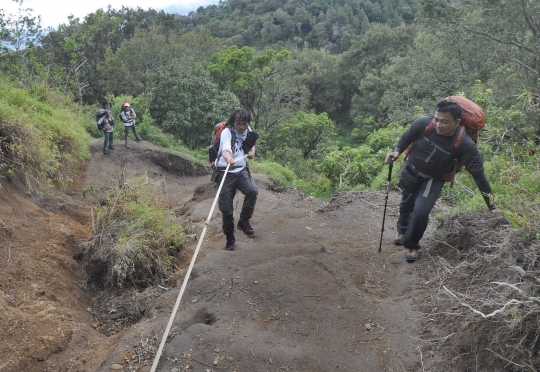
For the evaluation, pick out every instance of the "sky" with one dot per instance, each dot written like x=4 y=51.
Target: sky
x=56 y=12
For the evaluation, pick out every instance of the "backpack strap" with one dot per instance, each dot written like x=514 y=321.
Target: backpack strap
x=233 y=140
x=457 y=142
x=426 y=131
x=462 y=131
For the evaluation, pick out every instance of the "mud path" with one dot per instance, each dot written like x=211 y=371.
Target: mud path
x=309 y=293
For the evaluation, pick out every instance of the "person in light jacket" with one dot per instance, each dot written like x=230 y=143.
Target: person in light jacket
x=106 y=124
x=128 y=115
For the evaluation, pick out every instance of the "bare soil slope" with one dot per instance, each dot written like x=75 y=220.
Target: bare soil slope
x=309 y=293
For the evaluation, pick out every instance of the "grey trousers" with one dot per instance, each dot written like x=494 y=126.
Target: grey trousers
x=242 y=181
x=414 y=209
x=108 y=141
x=130 y=128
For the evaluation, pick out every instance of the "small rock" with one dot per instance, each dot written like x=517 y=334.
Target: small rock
x=116 y=366
x=367 y=326
x=215 y=362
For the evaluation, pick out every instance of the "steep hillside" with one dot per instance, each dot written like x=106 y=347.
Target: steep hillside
x=309 y=293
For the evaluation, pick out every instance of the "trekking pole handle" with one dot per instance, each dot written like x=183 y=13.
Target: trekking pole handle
x=390 y=166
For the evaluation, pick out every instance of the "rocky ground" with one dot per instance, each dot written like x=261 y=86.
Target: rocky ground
x=310 y=292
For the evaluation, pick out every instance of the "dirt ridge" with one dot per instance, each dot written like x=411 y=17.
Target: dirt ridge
x=309 y=293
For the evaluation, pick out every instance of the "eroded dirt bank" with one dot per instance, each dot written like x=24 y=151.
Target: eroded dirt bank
x=309 y=293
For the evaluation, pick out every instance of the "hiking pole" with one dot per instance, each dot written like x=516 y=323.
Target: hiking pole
x=386 y=200
x=188 y=273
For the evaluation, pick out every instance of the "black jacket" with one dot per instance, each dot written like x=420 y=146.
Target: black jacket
x=432 y=155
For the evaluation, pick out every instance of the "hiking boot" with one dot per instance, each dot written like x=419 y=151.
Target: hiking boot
x=412 y=255
x=231 y=243
x=245 y=227
x=399 y=239
x=111 y=147
x=127 y=146
x=105 y=152
x=138 y=139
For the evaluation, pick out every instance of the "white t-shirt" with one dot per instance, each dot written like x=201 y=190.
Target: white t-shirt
x=237 y=151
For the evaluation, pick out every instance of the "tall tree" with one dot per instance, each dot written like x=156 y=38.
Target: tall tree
x=507 y=30
x=363 y=64
x=262 y=82
x=319 y=71
x=186 y=103
x=87 y=40
x=19 y=36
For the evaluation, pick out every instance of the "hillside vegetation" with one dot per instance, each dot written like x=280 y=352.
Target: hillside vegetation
x=330 y=86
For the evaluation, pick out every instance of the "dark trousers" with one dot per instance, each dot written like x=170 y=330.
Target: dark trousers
x=414 y=209
x=242 y=181
x=108 y=143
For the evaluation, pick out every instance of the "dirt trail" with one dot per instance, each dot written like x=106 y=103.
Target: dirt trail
x=309 y=293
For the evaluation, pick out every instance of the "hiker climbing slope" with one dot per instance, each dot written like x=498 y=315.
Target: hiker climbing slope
x=432 y=154
x=237 y=142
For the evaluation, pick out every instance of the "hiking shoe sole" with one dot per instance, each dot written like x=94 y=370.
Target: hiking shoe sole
x=231 y=243
x=412 y=255
x=246 y=231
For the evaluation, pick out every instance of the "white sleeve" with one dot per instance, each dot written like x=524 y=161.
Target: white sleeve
x=225 y=141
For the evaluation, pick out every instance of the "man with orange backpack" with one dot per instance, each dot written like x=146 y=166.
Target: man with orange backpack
x=436 y=145
x=236 y=142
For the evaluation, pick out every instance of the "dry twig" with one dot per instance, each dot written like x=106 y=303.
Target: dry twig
x=494 y=313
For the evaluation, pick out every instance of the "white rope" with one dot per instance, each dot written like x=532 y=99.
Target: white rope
x=188 y=273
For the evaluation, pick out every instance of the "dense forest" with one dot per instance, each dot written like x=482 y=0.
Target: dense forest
x=330 y=85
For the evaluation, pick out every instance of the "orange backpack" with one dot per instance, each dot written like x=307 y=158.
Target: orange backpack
x=472 y=115
x=213 y=149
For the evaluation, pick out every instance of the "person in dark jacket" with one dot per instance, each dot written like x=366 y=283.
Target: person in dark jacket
x=237 y=142
x=428 y=160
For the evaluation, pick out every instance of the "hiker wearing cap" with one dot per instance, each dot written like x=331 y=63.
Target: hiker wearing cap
x=238 y=176
x=431 y=157
x=106 y=123
x=127 y=114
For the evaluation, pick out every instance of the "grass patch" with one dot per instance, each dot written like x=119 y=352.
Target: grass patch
x=42 y=144
x=136 y=237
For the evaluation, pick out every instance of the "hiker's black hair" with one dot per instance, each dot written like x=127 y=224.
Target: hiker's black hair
x=239 y=113
x=447 y=105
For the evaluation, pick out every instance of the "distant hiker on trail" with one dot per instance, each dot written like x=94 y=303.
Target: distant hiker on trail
x=127 y=114
x=106 y=123
x=238 y=176
x=430 y=158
